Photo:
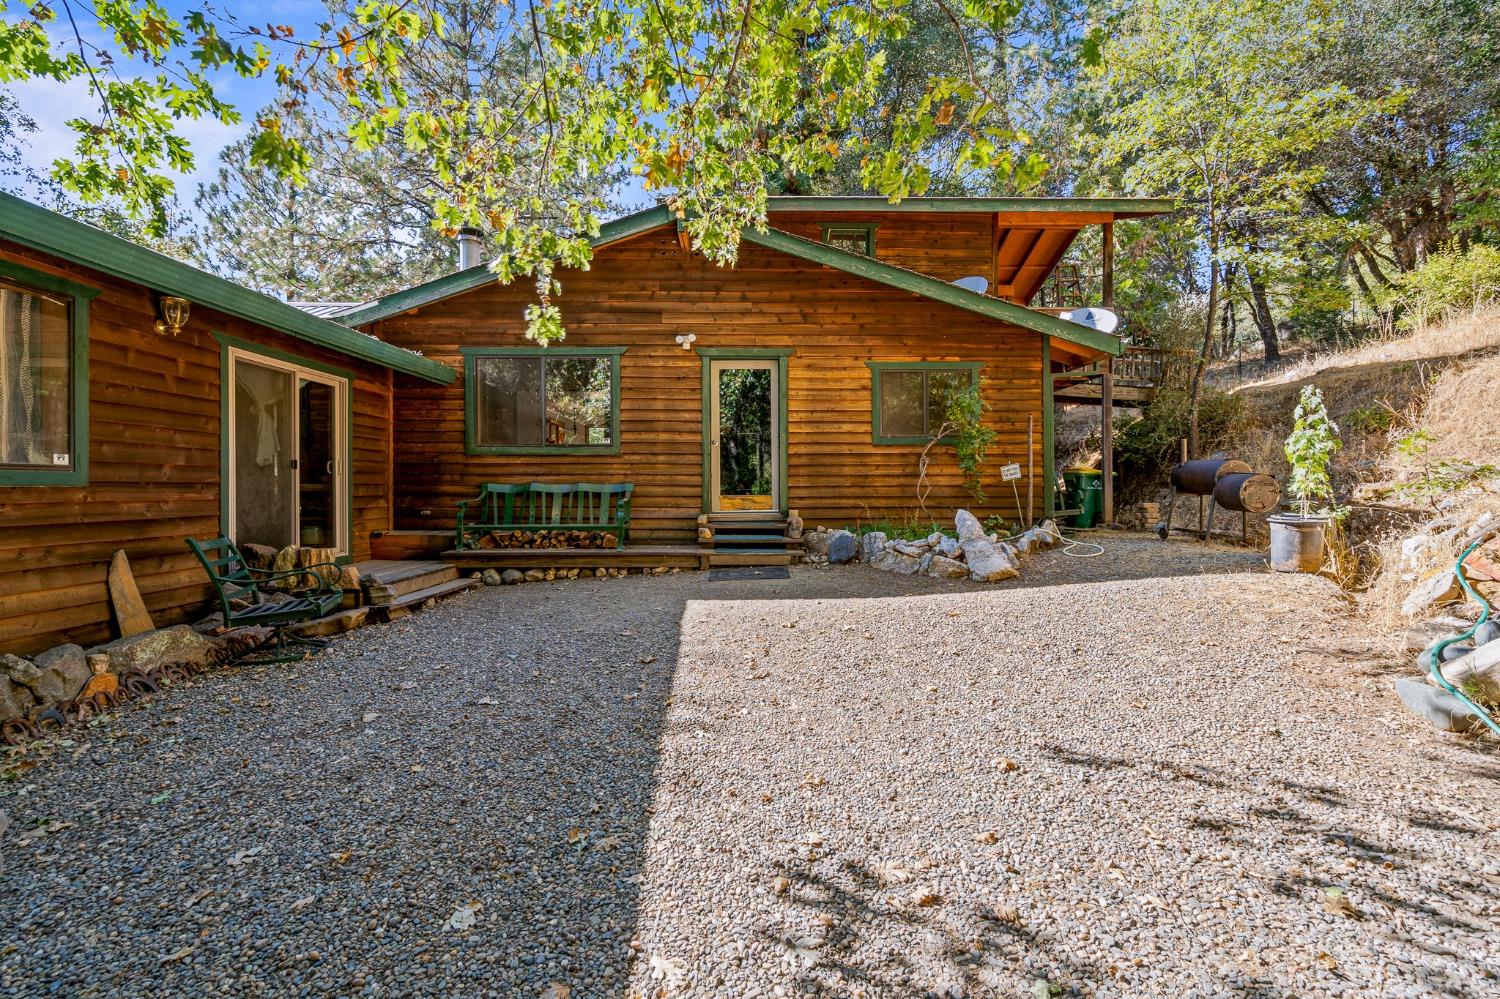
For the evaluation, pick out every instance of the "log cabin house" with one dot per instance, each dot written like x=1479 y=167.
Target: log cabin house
x=807 y=377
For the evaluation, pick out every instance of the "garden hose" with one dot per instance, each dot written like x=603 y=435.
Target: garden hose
x=1435 y=658
x=1071 y=546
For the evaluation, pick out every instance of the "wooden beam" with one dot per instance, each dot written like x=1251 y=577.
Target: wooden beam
x=1107 y=436
x=1107 y=268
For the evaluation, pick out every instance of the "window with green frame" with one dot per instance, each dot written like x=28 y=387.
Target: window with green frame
x=850 y=238
x=909 y=399
x=544 y=400
x=43 y=378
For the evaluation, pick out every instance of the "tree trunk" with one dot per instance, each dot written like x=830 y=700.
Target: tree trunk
x=1262 y=312
x=1208 y=340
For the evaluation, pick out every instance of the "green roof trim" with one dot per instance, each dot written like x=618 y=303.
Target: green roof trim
x=1124 y=207
x=933 y=288
x=49 y=232
x=475 y=277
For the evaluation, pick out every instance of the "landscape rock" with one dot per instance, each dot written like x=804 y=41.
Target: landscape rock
x=1476 y=674
x=871 y=545
x=948 y=547
x=943 y=567
x=969 y=528
x=18 y=670
x=258 y=556
x=65 y=669
x=535 y=575
x=152 y=648
x=1047 y=533
x=1023 y=543
x=842 y=547
x=988 y=563
x=1438 y=706
x=935 y=538
x=15 y=700
x=892 y=560
x=912 y=548
x=490 y=577
x=1487 y=633
x=815 y=542
x=510 y=577
x=1424 y=633
x=1440 y=588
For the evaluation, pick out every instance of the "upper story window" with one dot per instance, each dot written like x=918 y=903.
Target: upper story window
x=851 y=238
x=43 y=379
x=551 y=400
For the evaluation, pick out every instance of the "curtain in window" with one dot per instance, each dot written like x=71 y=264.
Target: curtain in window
x=21 y=380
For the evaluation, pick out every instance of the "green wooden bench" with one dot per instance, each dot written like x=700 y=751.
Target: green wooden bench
x=244 y=605
x=538 y=506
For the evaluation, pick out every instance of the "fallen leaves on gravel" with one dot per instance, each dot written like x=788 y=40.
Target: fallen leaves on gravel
x=242 y=857
x=811 y=781
x=178 y=955
x=1004 y=914
x=780 y=885
x=1007 y=764
x=557 y=990
x=302 y=903
x=1336 y=903
x=927 y=899
x=464 y=917
x=988 y=838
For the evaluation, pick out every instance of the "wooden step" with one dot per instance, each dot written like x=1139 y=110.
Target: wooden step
x=408 y=602
x=388 y=581
x=735 y=523
x=742 y=557
x=751 y=539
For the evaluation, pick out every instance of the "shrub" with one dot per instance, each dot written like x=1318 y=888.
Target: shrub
x=1310 y=449
x=1148 y=445
x=1445 y=284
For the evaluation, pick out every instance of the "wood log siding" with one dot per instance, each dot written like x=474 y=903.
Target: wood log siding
x=640 y=295
x=944 y=245
x=153 y=470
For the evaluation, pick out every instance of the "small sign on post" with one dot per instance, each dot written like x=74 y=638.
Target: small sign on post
x=1009 y=473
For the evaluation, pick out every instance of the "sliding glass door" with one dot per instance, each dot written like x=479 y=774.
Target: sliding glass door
x=288 y=438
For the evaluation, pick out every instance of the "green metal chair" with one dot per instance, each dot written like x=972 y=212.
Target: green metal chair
x=244 y=605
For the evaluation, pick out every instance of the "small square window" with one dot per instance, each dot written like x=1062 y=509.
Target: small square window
x=851 y=238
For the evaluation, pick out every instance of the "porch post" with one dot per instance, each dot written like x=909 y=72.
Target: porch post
x=1107 y=436
x=1107 y=266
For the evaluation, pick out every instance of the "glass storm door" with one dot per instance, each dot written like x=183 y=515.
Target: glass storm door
x=744 y=449
x=286 y=470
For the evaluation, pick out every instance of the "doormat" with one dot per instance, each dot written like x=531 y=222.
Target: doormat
x=749 y=572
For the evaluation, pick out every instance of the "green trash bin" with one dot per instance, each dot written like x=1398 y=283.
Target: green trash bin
x=1085 y=493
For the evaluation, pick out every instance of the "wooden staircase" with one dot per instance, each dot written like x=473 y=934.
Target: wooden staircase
x=737 y=540
x=394 y=588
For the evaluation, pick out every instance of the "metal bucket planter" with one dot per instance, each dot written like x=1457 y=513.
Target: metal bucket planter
x=1298 y=543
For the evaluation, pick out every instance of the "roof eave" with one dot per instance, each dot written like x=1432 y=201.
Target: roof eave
x=459 y=282
x=937 y=290
x=1119 y=207
x=47 y=231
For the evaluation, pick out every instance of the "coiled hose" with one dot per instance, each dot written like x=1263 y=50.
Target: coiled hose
x=1435 y=659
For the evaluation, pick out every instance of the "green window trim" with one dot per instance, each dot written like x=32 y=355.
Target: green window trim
x=877 y=368
x=79 y=295
x=828 y=231
x=226 y=457
x=471 y=408
x=706 y=356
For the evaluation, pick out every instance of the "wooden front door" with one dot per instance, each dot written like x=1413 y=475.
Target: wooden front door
x=745 y=425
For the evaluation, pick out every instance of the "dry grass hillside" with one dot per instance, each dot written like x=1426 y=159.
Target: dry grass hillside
x=1420 y=420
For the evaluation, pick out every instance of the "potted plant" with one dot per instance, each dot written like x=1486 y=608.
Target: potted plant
x=1299 y=539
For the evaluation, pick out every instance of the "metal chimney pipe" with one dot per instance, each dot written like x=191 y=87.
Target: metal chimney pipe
x=469 y=248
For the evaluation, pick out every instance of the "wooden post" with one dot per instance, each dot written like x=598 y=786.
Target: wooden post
x=1031 y=467
x=1107 y=265
x=1107 y=436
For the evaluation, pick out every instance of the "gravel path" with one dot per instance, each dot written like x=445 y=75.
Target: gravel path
x=845 y=783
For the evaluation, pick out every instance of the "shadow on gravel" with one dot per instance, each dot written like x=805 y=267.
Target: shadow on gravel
x=1340 y=854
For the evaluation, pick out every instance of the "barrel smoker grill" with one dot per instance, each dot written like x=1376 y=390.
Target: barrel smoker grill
x=1225 y=483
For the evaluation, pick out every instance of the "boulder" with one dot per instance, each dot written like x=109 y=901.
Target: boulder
x=65 y=669
x=948 y=547
x=893 y=561
x=969 y=528
x=15 y=700
x=988 y=563
x=1422 y=634
x=934 y=539
x=842 y=547
x=258 y=556
x=1438 y=706
x=815 y=542
x=943 y=567
x=535 y=575
x=1435 y=590
x=490 y=577
x=794 y=525
x=153 y=648
x=871 y=545
x=912 y=548
x=1024 y=543
x=510 y=577
x=18 y=670
x=1487 y=633
x=1476 y=674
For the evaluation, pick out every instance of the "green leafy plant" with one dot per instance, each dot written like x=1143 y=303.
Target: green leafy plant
x=1310 y=449
x=1371 y=419
x=970 y=437
x=1438 y=478
x=1445 y=284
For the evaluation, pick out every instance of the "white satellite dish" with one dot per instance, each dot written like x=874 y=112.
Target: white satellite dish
x=1102 y=320
x=977 y=283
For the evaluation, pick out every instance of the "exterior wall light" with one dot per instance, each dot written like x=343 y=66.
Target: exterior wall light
x=174 y=315
x=686 y=340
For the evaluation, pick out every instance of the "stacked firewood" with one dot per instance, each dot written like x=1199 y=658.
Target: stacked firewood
x=545 y=539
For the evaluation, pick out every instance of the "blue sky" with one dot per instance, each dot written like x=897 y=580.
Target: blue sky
x=51 y=104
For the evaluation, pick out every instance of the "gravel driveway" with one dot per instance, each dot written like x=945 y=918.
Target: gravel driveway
x=844 y=783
